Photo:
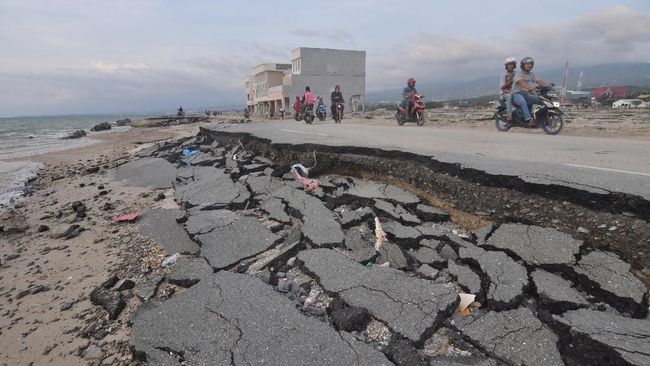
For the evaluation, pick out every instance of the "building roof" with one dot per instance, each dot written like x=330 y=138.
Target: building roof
x=614 y=91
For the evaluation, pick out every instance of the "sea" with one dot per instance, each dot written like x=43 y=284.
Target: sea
x=22 y=137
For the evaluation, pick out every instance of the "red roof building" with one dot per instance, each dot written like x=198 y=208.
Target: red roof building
x=610 y=91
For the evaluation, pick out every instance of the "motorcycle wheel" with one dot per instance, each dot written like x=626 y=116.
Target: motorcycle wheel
x=400 y=121
x=553 y=124
x=420 y=118
x=502 y=125
x=297 y=118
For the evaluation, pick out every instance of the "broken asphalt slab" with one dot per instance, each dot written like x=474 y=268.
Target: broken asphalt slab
x=188 y=271
x=606 y=339
x=536 y=245
x=557 y=293
x=319 y=224
x=508 y=279
x=409 y=305
x=161 y=226
x=610 y=277
x=213 y=189
x=227 y=238
x=155 y=173
x=516 y=337
x=235 y=319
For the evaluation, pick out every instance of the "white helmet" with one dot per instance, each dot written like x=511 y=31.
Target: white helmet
x=510 y=60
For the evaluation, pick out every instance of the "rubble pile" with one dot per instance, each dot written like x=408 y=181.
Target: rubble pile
x=363 y=273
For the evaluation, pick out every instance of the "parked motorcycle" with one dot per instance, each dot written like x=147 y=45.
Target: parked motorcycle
x=322 y=112
x=416 y=114
x=338 y=112
x=547 y=115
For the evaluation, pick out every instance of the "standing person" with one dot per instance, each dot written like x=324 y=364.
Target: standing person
x=522 y=88
x=505 y=86
x=407 y=96
x=337 y=97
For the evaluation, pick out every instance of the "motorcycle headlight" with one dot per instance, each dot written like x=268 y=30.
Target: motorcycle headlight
x=548 y=104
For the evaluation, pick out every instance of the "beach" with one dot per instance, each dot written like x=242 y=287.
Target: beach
x=51 y=322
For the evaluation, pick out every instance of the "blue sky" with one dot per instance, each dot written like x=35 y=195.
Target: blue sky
x=63 y=56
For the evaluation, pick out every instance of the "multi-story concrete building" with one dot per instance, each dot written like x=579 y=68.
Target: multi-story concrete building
x=319 y=68
x=264 y=87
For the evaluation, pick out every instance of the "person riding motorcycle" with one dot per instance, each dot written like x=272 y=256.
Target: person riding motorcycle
x=522 y=89
x=505 y=86
x=337 y=97
x=307 y=99
x=407 y=95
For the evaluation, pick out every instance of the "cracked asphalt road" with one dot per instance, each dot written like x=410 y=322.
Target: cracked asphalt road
x=594 y=164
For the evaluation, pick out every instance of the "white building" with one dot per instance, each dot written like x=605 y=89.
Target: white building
x=630 y=103
x=319 y=68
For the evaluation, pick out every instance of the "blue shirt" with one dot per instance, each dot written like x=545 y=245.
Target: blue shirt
x=408 y=90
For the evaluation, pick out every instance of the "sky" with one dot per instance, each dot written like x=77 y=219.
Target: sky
x=108 y=56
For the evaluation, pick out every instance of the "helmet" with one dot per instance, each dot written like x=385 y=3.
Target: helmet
x=510 y=60
x=410 y=80
x=526 y=60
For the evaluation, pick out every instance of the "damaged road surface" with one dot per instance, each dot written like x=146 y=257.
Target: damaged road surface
x=368 y=271
x=235 y=319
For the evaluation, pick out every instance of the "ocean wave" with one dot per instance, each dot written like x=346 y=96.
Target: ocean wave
x=14 y=176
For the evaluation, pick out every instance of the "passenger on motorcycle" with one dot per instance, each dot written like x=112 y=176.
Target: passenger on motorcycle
x=506 y=85
x=522 y=89
x=307 y=99
x=407 y=95
x=337 y=97
x=297 y=105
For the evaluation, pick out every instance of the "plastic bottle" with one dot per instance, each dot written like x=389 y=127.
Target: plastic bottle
x=170 y=260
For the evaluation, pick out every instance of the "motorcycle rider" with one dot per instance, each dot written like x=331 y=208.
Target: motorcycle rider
x=321 y=104
x=522 y=90
x=407 y=96
x=337 y=97
x=307 y=99
x=505 y=94
x=297 y=105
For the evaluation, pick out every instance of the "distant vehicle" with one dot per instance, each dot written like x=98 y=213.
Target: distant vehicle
x=416 y=114
x=547 y=115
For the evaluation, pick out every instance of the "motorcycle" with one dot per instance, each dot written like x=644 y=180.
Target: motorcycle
x=416 y=114
x=322 y=112
x=306 y=114
x=547 y=115
x=338 y=112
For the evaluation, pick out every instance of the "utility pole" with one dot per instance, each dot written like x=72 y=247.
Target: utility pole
x=563 y=90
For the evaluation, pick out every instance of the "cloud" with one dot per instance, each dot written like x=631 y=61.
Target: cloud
x=335 y=35
x=121 y=89
x=617 y=34
x=110 y=68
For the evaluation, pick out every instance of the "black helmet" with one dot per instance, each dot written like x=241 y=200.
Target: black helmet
x=526 y=60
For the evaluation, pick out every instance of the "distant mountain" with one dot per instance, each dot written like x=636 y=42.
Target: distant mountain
x=606 y=74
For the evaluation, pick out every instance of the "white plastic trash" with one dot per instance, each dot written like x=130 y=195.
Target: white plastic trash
x=170 y=260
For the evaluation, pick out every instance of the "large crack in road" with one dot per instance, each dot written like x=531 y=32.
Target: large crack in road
x=284 y=280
